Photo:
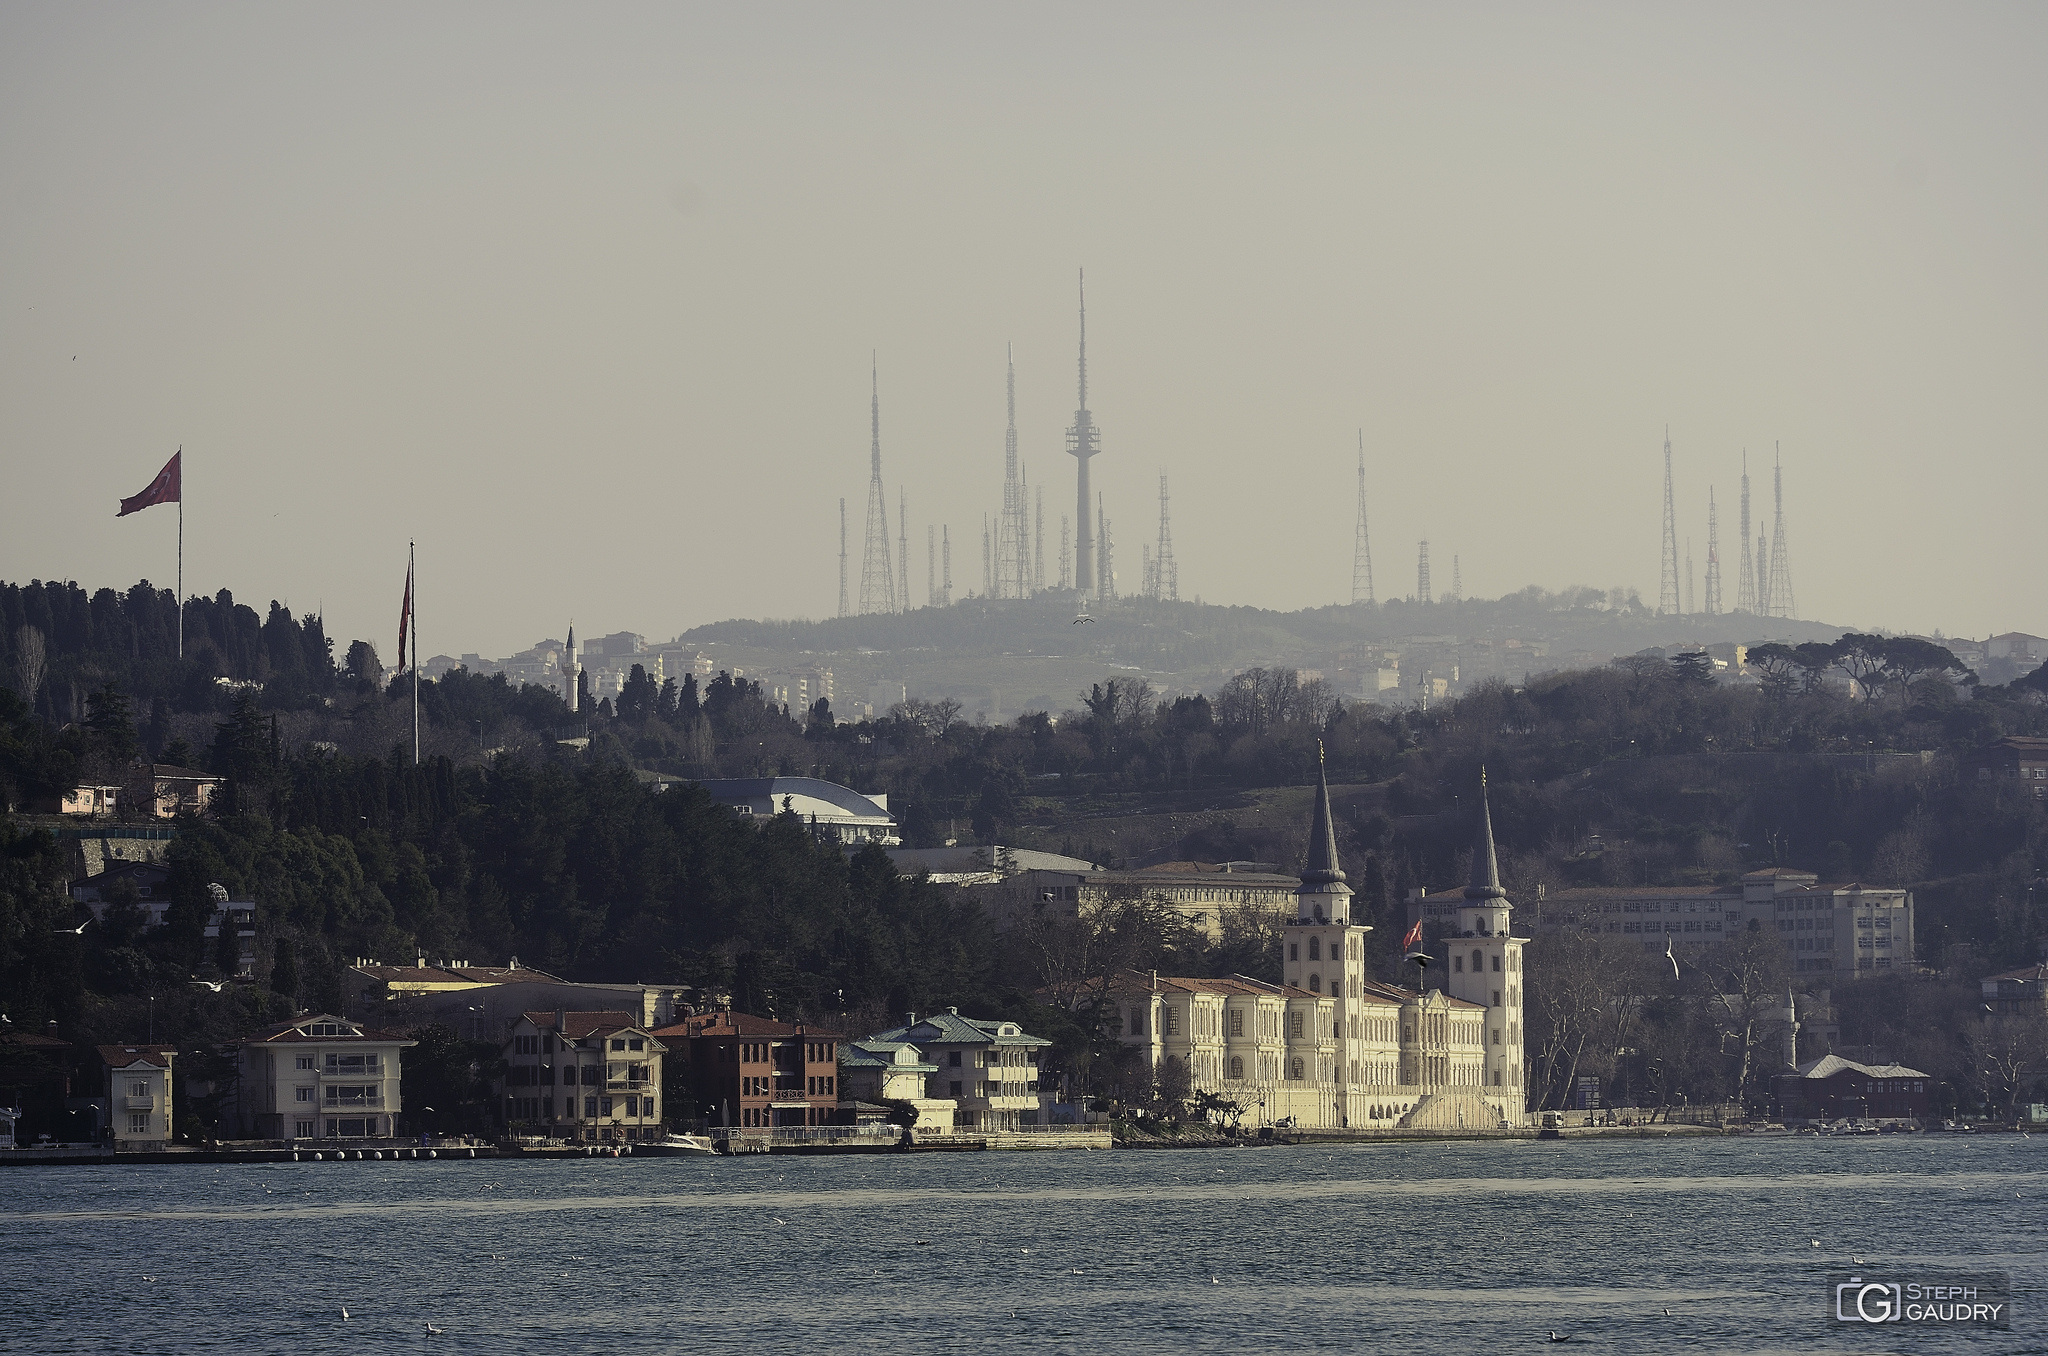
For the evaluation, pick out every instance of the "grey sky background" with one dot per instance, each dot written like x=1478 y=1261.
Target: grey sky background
x=583 y=298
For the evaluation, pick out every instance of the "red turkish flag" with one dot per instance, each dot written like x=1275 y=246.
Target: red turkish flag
x=1413 y=941
x=167 y=488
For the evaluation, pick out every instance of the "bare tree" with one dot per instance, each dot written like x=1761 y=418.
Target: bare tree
x=29 y=655
x=2002 y=1050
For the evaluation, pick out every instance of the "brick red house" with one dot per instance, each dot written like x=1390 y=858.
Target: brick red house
x=754 y=1073
x=1832 y=1088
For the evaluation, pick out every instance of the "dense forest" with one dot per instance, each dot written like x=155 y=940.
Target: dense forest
x=512 y=838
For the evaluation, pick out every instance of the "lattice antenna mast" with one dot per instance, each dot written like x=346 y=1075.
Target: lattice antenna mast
x=1781 y=565
x=842 y=556
x=1690 y=609
x=931 y=565
x=1422 y=571
x=1745 y=570
x=1361 y=543
x=1038 y=550
x=1667 y=587
x=1083 y=442
x=1457 y=580
x=877 y=574
x=903 y=546
x=1763 y=573
x=1166 y=574
x=1025 y=564
x=987 y=562
x=1713 y=556
x=1010 y=542
x=1105 y=583
x=946 y=564
x=1066 y=553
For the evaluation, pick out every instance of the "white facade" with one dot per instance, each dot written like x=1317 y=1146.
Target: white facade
x=319 y=1077
x=139 y=1095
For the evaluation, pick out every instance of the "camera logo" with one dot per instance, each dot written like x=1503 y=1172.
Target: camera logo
x=1861 y=1301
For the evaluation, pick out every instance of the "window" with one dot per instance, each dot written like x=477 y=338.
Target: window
x=1293 y=951
x=1294 y=1029
x=633 y=1107
x=954 y=1087
x=1237 y=1029
x=1496 y=998
x=1236 y=1067
x=1458 y=965
x=953 y=1059
x=302 y=1129
x=305 y=1062
x=1315 y=948
x=1315 y=983
x=302 y=1094
x=138 y=1124
x=647 y=1107
x=1478 y=961
x=590 y=1108
x=1496 y=1035
x=604 y=1106
x=1294 y=1069
x=1172 y=1016
x=618 y=1043
x=635 y=1043
x=1496 y=964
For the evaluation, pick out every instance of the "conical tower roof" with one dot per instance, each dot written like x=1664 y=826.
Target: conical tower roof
x=1321 y=866
x=1485 y=881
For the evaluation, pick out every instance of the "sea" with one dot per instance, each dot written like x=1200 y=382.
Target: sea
x=1703 y=1244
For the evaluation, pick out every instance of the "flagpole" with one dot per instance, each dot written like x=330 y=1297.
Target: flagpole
x=181 y=565
x=410 y=574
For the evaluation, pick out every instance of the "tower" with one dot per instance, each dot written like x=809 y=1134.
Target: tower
x=1667 y=587
x=903 y=547
x=1361 y=542
x=1781 y=604
x=987 y=562
x=571 y=669
x=842 y=555
x=1165 y=574
x=1763 y=576
x=1713 y=556
x=1083 y=442
x=1105 y=579
x=1745 y=570
x=1325 y=950
x=1011 y=546
x=946 y=565
x=1689 y=599
x=1457 y=580
x=1422 y=571
x=1485 y=961
x=1066 y=553
x=877 y=576
x=931 y=565
x=1038 y=548
x=1025 y=563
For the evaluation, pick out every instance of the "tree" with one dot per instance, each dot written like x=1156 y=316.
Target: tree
x=284 y=971
x=1693 y=668
x=110 y=731
x=2001 y=1050
x=30 y=656
x=1173 y=1087
x=363 y=666
x=1747 y=978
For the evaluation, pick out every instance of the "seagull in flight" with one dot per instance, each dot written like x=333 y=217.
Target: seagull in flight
x=1671 y=956
x=78 y=931
x=1084 y=617
x=214 y=984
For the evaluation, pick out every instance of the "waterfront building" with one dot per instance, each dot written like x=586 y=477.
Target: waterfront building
x=874 y=1071
x=593 y=1077
x=988 y=1068
x=138 y=1082
x=2018 y=993
x=318 y=1077
x=1325 y=1044
x=744 y=1072
x=1832 y=1088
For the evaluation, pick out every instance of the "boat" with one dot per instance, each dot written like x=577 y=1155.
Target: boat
x=673 y=1145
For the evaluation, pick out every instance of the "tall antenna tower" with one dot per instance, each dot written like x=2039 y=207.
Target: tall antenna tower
x=1011 y=545
x=842 y=556
x=1149 y=587
x=1713 y=556
x=1422 y=572
x=1083 y=442
x=988 y=572
x=1763 y=574
x=1105 y=580
x=1667 y=588
x=1066 y=553
x=1689 y=599
x=1026 y=557
x=1038 y=550
x=903 y=547
x=1781 y=566
x=1165 y=573
x=1457 y=580
x=1361 y=543
x=931 y=565
x=1745 y=570
x=946 y=564
x=877 y=577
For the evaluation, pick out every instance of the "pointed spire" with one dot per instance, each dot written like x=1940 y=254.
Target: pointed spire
x=1084 y=338
x=1485 y=881
x=1322 y=868
x=875 y=414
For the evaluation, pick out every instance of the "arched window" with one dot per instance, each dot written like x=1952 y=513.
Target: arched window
x=1315 y=982
x=1315 y=948
x=1478 y=960
x=1236 y=1067
x=1294 y=1069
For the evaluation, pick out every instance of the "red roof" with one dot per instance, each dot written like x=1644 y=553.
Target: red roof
x=128 y=1056
x=743 y=1024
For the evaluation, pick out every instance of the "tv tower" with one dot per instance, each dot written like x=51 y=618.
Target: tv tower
x=1780 y=597
x=1066 y=553
x=1690 y=600
x=1038 y=548
x=1165 y=574
x=1083 y=442
x=931 y=565
x=1105 y=582
x=1745 y=570
x=1457 y=580
x=1713 y=555
x=1422 y=572
x=946 y=565
x=877 y=576
x=902 y=547
x=1361 y=544
x=1667 y=588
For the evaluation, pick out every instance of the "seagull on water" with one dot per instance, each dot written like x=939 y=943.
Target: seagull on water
x=344 y=1313
x=1815 y=1242
x=1557 y=1336
x=432 y=1331
x=1667 y=1311
x=1857 y=1260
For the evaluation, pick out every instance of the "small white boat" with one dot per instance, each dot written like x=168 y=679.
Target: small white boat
x=673 y=1145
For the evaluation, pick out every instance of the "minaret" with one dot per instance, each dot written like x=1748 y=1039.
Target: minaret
x=1484 y=961
x=570 y=668
x=877 y=575
x=1083 y=442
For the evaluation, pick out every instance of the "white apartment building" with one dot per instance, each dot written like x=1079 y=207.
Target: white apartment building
x=583 y=1076
x=139 y=1095
x=987 y=1069
x=319 y=1077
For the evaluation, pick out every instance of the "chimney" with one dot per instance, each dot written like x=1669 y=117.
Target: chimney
x=910 y=1019
x=1155 y=981
x=561 y=1023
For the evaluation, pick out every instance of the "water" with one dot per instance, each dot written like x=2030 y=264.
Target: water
x=1449 y=1247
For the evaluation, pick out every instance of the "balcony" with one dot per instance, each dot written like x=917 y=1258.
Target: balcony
x=355 y=1103
x=132 y=1103
x=629 y=1085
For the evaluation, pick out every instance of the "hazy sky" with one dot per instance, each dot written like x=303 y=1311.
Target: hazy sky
x=583 y=297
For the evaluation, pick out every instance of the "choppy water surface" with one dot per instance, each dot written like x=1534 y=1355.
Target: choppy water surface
x=1434 y=1248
